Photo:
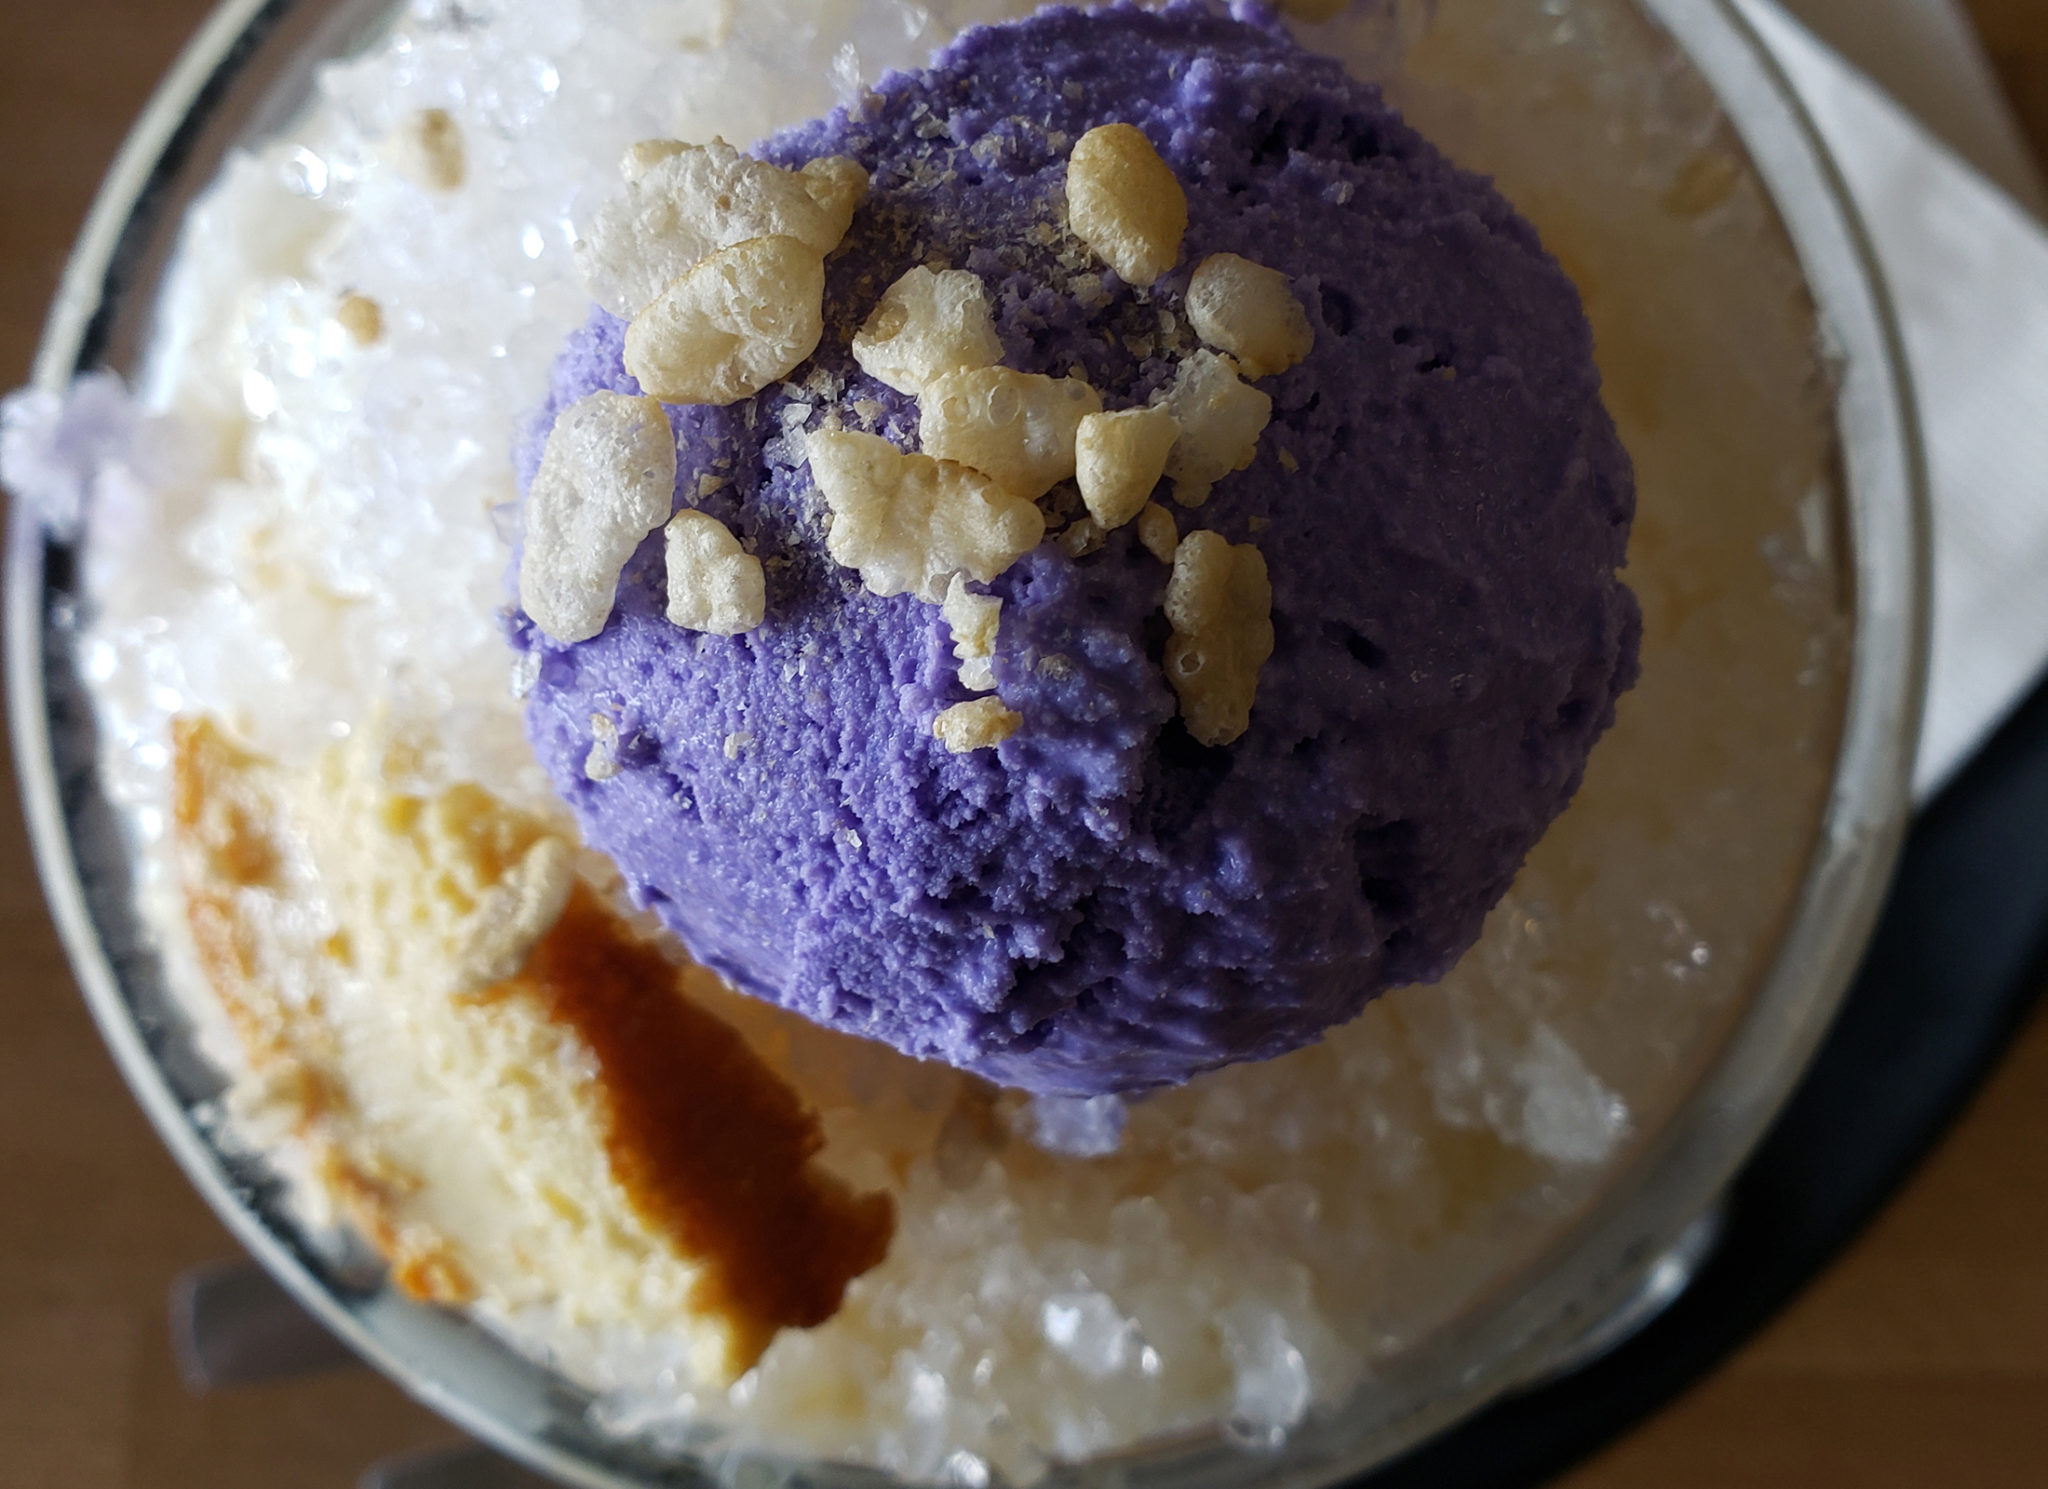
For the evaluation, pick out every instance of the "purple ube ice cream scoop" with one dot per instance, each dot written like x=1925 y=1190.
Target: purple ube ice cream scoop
x=1100 y=903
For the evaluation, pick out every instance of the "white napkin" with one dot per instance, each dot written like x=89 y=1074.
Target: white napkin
x=1968 y=270
x=1927 y=55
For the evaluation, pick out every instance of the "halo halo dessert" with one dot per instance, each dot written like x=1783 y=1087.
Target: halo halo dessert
x=1515 y=1091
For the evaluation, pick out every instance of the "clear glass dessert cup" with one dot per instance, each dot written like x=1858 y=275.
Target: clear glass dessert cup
x=1861 y=569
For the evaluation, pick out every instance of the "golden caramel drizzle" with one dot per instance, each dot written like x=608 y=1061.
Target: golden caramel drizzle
x=713 y=1147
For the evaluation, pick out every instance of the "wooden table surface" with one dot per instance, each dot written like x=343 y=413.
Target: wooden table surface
x=1921 y=1358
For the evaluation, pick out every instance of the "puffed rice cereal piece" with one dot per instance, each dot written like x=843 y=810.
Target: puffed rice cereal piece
x=601 y=764
x=1016 y=427
x=1221 y=417
x=910 y=523
x=428 y=150
x=928 y=323
x=838 y=184
x=714 y=585
x=1119 y=458
x=742 y=319
x=683 y=203
x=1124 y=202
x=1220 y=604
x=978 y=724
x=1081 y=538
x=607 y=479
x=1249 y=311
x=1157 y=531
x=362 y=318
x=974 y=620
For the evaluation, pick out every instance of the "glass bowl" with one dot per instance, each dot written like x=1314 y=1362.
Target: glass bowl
x=1628 y=1247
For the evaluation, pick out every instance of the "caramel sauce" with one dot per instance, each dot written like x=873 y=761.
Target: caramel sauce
x=709 y=1143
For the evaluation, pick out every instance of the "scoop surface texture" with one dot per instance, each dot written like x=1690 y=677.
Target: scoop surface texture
x=1099 y=903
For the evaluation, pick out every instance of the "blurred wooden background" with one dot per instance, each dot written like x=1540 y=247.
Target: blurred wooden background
x=1920 y=1359
x=2015 y=34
